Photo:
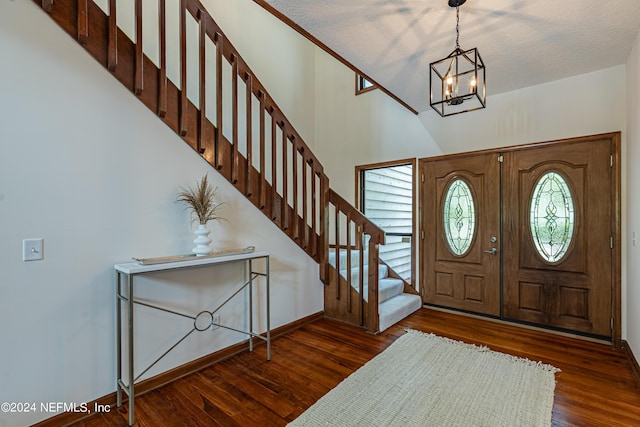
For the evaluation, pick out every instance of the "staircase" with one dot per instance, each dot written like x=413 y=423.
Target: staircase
x=262 y=155
x=396 y=299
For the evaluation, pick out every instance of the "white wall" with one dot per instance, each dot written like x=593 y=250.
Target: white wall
x=633 y=199
x=281 y=59
x=583 y=105
x=87 y=167
x=357 y=130
x=316 y=93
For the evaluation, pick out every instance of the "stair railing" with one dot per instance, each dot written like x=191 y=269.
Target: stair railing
x=353 y=239
x=234 y=124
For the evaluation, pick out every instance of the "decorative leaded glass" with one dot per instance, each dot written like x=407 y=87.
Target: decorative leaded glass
x=552 y=216
x=459 y=217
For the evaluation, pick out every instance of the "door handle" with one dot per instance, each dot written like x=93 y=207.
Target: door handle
x=493 y=251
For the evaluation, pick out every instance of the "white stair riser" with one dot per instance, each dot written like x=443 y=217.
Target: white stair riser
x=387 y=289
x=393 y=304
x=397 y=308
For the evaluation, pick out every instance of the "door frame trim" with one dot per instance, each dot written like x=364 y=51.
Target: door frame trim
x=616 y=205
x=359 y=171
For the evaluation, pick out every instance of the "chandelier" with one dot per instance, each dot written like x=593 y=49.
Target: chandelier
x=458 y=81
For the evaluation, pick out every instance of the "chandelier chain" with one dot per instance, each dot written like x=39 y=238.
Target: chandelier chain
x=457 y=27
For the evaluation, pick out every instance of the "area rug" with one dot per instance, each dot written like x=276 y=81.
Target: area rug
x=426 y=380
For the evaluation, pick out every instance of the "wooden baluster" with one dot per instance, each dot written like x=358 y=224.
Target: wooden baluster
x=248 y=189
x=112 y=55
x=139 y=77
x=262 y=197
x=284 y=218
x=219 y=41
x=337 y=241
x=305 y=229
x=314 y=208
x=83 y=22
x=294 y=175
x=182 y=110
x=202 y=111
x=162 y=84
x=359 y=237
x=234 y=118
x=349 y=308
x=324 y=229
x=47 y=5
x=274 y=164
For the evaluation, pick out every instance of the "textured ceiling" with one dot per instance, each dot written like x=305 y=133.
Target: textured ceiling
x=522 y=42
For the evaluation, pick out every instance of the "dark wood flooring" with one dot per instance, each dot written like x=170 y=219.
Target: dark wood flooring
x=595 y=387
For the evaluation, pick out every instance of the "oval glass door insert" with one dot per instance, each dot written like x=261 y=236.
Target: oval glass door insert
x=459 y=217
x=552 y=217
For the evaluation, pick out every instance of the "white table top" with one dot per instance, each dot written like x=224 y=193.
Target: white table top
x=135 y=267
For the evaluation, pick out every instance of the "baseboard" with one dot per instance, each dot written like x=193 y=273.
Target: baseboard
x=635 y=367
x=67 y=418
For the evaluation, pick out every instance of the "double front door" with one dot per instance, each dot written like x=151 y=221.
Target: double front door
x=525 y=234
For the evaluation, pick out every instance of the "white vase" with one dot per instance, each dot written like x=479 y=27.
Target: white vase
x=202 y=241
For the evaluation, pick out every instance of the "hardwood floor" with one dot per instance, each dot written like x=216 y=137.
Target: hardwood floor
x=595 y=387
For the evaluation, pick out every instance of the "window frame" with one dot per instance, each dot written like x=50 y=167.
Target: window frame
x=361 y=84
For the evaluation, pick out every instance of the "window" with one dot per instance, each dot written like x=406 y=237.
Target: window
x=459 y=217
x=387 y=199
x=552 y=216
x=363 y=85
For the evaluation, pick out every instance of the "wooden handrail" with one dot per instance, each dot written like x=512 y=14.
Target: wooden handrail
x=358 y=217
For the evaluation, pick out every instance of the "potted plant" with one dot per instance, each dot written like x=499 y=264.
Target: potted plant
x=203 y=205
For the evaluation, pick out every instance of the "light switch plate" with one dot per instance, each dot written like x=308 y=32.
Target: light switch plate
x=32 y=249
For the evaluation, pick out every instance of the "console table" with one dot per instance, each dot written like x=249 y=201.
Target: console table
x=204 y=320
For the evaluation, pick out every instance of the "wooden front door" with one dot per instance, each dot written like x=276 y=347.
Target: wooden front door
x=461 y=204
x=543 y=246
x=558 y=235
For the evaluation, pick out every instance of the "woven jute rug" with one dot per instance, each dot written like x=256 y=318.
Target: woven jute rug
x=426 y=380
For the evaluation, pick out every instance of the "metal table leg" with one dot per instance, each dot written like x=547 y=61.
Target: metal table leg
x=268 y=311
x=118 y=340
x=250 y=305
x=131 y=369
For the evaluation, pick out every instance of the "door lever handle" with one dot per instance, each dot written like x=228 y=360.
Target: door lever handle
x=493 y=251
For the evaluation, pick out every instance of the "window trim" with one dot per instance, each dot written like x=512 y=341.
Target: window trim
x=360 y=89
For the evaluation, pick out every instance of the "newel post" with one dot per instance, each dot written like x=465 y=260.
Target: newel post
x=373 y=317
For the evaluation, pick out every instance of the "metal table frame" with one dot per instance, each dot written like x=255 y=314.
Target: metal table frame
x=130 y=270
